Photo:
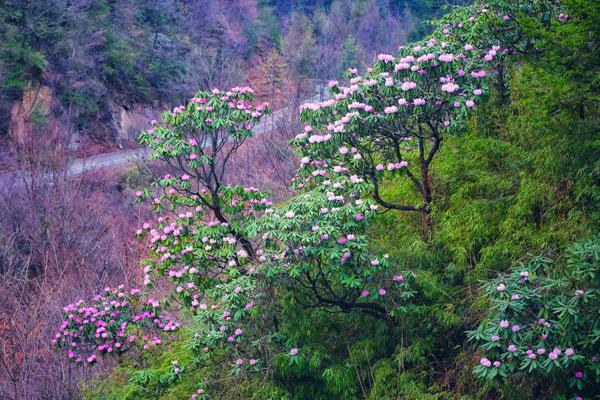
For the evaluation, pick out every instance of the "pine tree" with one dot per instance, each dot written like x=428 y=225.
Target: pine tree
x=350 y=54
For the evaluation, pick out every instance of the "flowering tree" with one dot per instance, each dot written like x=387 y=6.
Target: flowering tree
x=488 y=23
x=545 y=323
x=202 y=238
x=197 y=141
x=318 y=243
x=391 y=121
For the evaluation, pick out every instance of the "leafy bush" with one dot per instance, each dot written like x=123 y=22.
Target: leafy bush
x=113 y=321
x=544 y=321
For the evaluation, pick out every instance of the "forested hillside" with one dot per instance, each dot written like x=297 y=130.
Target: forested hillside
x=433 y=233
x=100 y=69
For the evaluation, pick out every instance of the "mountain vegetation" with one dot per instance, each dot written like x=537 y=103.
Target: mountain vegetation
x=439 y=238
x=101 y=56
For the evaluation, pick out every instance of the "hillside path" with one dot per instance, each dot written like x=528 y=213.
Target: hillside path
x=132 y=156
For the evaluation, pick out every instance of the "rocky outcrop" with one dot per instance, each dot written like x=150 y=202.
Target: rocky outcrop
x=129 y=121
x=34 y=110
x=29 y=113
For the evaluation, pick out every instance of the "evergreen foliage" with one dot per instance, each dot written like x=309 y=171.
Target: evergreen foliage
x=289 y=303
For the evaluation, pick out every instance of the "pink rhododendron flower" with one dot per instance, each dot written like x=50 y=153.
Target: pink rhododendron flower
x=485 y=362
x=569 y=352
x=406 y=86
x=385 y=57
x=450 y=87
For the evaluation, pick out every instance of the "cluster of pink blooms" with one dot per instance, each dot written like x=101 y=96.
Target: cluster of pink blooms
x=109 y=323
x=450 y=87
x=544 y=345
x=242 y=89
x=318 y=105
x=386 y=57
x=492 y=53
x=392 y=166
x=199 y=392
x=423 y=62
x=446 y=58
x=170 y=245
x=487 y=363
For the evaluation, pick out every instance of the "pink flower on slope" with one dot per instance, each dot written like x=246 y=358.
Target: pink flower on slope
x=385 y=57
x=406 y=86
x=450 y=87
x=446 y=57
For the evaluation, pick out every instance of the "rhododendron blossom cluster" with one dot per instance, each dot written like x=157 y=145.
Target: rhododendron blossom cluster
x=317 y=242
x=544 y=325
x=111 y=322
x=398 y=111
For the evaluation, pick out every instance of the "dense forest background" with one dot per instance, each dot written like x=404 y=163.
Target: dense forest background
x=100 y=68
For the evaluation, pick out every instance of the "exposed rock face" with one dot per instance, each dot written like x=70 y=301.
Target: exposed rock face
x=128 y=122
x=34 y=108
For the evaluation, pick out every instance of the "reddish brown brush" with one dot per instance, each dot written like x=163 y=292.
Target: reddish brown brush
x=61 y=238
